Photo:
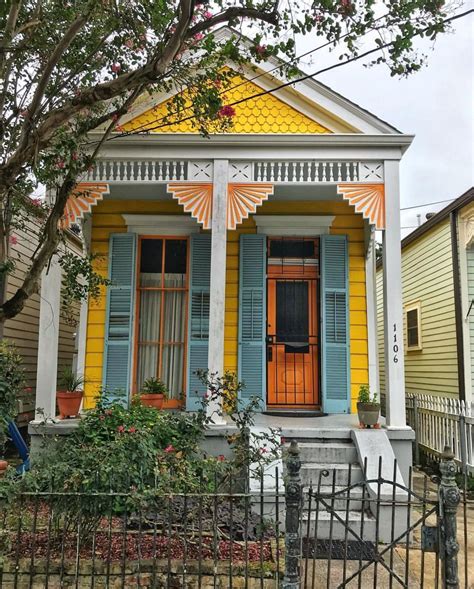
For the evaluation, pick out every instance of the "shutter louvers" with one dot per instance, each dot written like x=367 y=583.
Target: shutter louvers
x=198 y=328
x=118 y=328
x=252 y=316
x=335 y=324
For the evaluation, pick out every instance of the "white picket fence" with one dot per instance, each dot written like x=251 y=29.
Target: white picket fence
x=440 y=421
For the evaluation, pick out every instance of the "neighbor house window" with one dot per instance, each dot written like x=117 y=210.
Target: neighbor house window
x=413 y=326
x=162 y=293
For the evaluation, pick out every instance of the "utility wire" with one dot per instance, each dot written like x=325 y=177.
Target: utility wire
x=300 y=79
x=427 y=204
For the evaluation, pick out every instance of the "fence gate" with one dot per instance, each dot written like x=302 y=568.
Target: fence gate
x=376 y=532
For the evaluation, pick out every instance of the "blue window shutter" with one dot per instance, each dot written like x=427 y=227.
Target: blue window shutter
x=198 y=320
x=335 y=324
x=119 y=317
x=252 y=316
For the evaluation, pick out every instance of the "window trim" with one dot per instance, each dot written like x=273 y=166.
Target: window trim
x=170 y=403
x=413 y=306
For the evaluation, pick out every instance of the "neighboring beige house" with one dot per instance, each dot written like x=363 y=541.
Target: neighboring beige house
x=23 y=329
x=438 y=300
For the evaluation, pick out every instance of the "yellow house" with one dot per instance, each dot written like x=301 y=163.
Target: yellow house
x=438 y=299
x=249 y=251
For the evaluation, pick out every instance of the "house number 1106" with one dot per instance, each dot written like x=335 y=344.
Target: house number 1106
x=395 y=345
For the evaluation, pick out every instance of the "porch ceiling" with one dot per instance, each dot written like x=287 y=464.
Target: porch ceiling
x=135 y=191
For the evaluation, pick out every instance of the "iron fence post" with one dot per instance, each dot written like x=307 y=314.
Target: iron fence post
x=293 y=500
x=449 y=498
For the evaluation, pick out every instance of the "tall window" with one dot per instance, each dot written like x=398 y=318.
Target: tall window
x=413 y=323
x=162 y=305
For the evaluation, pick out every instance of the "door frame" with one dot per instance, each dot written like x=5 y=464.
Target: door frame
x=318 y=316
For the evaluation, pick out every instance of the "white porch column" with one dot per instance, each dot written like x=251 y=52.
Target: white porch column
x=371 y=298
x=48 y=340
x=81 y=332
x=393 y=302
x=215 y=361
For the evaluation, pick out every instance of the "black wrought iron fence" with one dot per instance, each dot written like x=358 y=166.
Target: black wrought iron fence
x=230 y=538
x=374 y=529
x=368 y=529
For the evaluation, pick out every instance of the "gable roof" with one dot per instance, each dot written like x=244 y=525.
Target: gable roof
x=309 y=98
x=441 y=215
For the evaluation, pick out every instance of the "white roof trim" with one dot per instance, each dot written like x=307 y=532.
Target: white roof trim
x=293 y=225
x=161 y=224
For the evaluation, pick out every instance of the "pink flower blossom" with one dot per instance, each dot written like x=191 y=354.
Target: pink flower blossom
x=13 y=240
x=208 y=14
x=198 y=36
x=264 y=450
x=226 y=111
x=24 y=113
x=108 y=412
x=60 y=164
x=74 y=156
x=119 y=128
x=121 y=429
x=221 y=458
x=28 y=390
x=260 y=49
x=101 y=417
x=36 y=202
x=132 y=430
x=116 y=67
x=115 y=117
x=169 y=449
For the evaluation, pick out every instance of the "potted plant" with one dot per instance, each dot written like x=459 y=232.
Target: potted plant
x=70 y=397
x=153 y=393
x=368 y=408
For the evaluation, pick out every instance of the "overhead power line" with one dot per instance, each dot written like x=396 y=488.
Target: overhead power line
x=427 y=204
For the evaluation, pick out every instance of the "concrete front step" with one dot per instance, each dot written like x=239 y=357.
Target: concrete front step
x=328 y=526
x=340 y=501
x=330 y=451
x=312 y=472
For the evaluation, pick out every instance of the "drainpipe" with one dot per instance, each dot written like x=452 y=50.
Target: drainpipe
x=458 y=305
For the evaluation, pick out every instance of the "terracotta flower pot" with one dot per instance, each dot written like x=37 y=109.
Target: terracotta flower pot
x=3 y=467
x=368 y=413
x=69 y=403
x=152 y=400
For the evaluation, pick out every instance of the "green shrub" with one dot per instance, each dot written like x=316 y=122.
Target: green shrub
x=12 y=383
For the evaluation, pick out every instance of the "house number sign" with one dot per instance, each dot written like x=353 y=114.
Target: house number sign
x=395 y=344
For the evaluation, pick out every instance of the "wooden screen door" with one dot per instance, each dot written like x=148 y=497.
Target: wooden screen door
x=292 y=330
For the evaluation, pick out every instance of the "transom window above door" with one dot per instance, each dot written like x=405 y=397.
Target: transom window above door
x=162 y=294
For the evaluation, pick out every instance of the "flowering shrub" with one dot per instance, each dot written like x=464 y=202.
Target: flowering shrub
x=11 y=385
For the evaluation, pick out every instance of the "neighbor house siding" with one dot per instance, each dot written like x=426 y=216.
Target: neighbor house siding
x=107 y=218
x=427 y=276
x=23 y=329
x=470 y=286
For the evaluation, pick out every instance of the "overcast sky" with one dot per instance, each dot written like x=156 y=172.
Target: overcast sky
x=435 y=104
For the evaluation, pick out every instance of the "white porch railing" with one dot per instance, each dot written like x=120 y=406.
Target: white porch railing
x=440 y=421
x=274 y=171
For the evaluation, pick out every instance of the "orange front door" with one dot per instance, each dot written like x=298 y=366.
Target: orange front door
x=292 y=337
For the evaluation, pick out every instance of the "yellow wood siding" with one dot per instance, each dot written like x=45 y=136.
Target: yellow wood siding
x=265 y=114
x=107 y=218
x=427 y=276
